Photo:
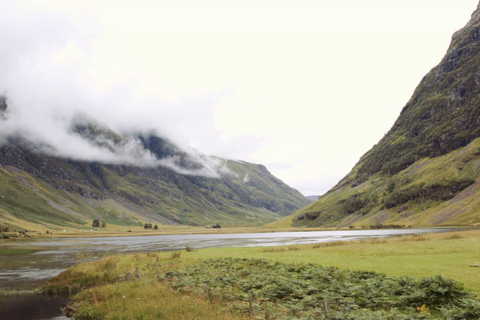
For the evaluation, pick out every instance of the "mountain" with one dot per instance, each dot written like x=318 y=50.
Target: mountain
x=425 y=170
x=313 y=198
x=144 y=178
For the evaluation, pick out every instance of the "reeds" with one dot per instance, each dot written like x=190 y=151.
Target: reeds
x=281 y=249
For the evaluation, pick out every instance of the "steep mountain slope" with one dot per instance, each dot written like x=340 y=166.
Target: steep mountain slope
x=154 y=182
x=424 y=171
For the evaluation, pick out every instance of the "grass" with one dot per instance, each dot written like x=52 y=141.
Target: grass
x=58 y=194
x=148 y=300
x=450 y=255
x=16 y=251
x=425 y=255
x=430 y=192
x=289 y=290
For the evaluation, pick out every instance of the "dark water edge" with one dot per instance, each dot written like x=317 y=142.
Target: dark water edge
x=31 y=307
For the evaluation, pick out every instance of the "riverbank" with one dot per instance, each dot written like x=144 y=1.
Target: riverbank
x=451 y=255
x=138 y=231
x=119 y=231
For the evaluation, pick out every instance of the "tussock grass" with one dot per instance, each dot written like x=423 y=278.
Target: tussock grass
x=175 y=255
x=189 y=249
x=413 y=237
x=147 y=300
x=331 y=244
x=455 y=235
x=281 y=249
x=93 y=255
x=349 y=242
x=17 y=251
x=374 y=241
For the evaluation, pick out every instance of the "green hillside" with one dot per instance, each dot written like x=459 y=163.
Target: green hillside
x=38 y=189
x=424 y=171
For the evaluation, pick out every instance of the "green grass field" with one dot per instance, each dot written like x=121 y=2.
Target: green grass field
x=451 y=255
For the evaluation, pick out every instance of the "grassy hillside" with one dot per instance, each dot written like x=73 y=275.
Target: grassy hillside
x=424 y=171
x=56 y=193
x=432 y=191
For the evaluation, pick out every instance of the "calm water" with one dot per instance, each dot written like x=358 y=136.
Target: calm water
x=26 y=272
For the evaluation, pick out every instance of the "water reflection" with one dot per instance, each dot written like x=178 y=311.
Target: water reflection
x=31 y=307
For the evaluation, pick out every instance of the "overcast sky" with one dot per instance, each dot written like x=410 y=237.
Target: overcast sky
x=303 y=87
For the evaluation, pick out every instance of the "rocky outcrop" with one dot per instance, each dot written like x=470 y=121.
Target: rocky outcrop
x=3 y=107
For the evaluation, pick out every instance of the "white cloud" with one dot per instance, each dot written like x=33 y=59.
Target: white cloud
x=304 y=87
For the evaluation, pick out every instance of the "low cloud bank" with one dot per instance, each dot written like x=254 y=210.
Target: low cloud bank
x=59 y=136
x=45 y=77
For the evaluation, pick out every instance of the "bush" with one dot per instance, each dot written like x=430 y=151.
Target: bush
x=147 y=226
x=298 y=291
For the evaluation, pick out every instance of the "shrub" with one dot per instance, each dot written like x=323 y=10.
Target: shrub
x=175 y=255
x=147 y=226
x=298 y=291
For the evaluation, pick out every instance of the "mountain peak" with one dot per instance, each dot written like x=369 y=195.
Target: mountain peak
x=89 y=128
x=474 y=20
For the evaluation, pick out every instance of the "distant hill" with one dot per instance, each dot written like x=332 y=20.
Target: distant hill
x=313 y=198
x=425 y=170
x=145 y=179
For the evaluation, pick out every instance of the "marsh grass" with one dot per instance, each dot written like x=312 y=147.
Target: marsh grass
x=189 y=249
x=281 y=249
x=93 y=255
x=374 y=241
x=447 y=254
x=411 y=238
x=349 y=242
x=147 y=300
x=331 y=244
x=17 y=251
x=175 y=255
x=455 y=235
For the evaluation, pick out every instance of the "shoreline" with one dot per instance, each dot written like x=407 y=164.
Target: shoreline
x=401 y=257
x=97 y=233
x=14 y=242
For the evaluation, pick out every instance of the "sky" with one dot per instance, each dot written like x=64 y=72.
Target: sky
x=304 y=87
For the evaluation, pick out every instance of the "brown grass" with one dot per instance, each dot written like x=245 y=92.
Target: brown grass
x=280 y=249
